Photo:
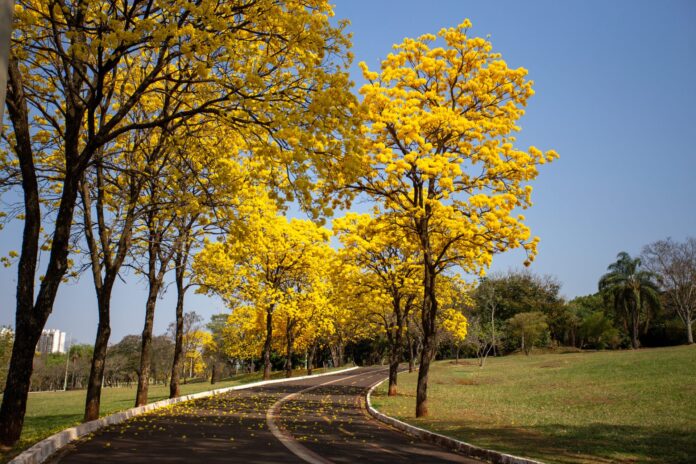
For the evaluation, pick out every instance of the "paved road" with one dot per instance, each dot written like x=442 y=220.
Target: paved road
x=318 y=420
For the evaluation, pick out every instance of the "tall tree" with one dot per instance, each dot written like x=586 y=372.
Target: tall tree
x=675 y=264
x=440 y=132
x=111 y=204
x=633 y=291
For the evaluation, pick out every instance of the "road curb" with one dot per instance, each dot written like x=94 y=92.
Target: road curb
x=464 y=448
x=42 y=450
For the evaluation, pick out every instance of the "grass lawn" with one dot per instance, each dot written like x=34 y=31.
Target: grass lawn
x=51 y=412
x=599 y=407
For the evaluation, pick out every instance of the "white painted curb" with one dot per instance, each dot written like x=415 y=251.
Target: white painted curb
x=447 y=442
x=45 y=448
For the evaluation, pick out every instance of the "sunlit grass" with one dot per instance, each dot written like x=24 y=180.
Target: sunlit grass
x=620 y=406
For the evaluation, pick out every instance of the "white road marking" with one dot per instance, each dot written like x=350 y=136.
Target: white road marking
x=286 y=438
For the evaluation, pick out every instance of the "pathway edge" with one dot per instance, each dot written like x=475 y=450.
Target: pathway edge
x=42 y=450
x=464 y=448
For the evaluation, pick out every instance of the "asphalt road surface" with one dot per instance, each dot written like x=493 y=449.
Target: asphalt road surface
x=319 y=420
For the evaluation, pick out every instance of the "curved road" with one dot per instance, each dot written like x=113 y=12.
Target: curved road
x=318 y=420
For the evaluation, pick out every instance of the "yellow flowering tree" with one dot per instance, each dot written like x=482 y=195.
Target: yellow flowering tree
x=386 y=265
x=263 y=265
x=440 y=124
x=454 y=298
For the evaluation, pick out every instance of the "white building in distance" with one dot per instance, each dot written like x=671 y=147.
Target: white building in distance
x=51 y=341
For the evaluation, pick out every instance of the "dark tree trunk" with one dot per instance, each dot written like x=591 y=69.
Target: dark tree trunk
x=102 y=263
x=426 y=356
x=179 y=335
x=393 y=372
x=428 y=320
x=14 y=402
x=411 y=354
x=146 y=345
x=96 y=372
x=337 y=354
x=214 y=374
x=396 y=348
x=267 y=344
x=30 y=316
x=288 y=352
x=635 y=328
x=310 y=358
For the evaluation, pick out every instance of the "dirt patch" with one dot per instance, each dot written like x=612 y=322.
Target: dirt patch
x=467 y=382
x=552 y=365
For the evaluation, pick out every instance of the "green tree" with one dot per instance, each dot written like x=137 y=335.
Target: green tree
x=522 y=291
x=597 y=330
x=528 y=327
x=633 y=291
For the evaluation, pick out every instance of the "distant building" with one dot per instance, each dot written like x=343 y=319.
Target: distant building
x=51 y=341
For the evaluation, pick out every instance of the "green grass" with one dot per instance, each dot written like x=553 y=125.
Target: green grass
x=600 y=407
x=51 y=412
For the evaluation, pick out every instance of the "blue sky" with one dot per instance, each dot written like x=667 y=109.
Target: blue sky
x=615 y=96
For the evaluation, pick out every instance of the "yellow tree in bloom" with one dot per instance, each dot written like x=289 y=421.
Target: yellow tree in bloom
x=263 y=264
x=272 y=71
x=440 y=124
x=454 y=298
x=347 y=315
x=307 y=312
x=243 y=334
x=387 y=266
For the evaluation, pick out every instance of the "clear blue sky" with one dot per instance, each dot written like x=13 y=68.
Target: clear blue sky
x=616 y=97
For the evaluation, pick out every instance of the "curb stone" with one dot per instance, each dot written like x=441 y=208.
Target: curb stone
x=42 y=450
x=464 y=448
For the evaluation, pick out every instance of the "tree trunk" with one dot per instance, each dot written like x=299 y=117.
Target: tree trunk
x=288 y=354
x=396 y=349
x=689 y=333
x=429 y=321
x=635 y=343
x=524 y=347
x=14 y=401
x=214 y=374
x=411 y=354
x=267 y=344
x=337 y=354
x=310 y=358
x=31 y=314
x=393 y=372
x=422 y=388
x=333 y=349
x=96 y=372
x=174 y=390
x=146 y=345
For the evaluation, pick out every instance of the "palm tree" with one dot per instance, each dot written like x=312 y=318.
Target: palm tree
x=634 y=292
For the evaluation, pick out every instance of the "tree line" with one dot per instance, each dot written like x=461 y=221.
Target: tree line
x=70 y=370
x=643 y=301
